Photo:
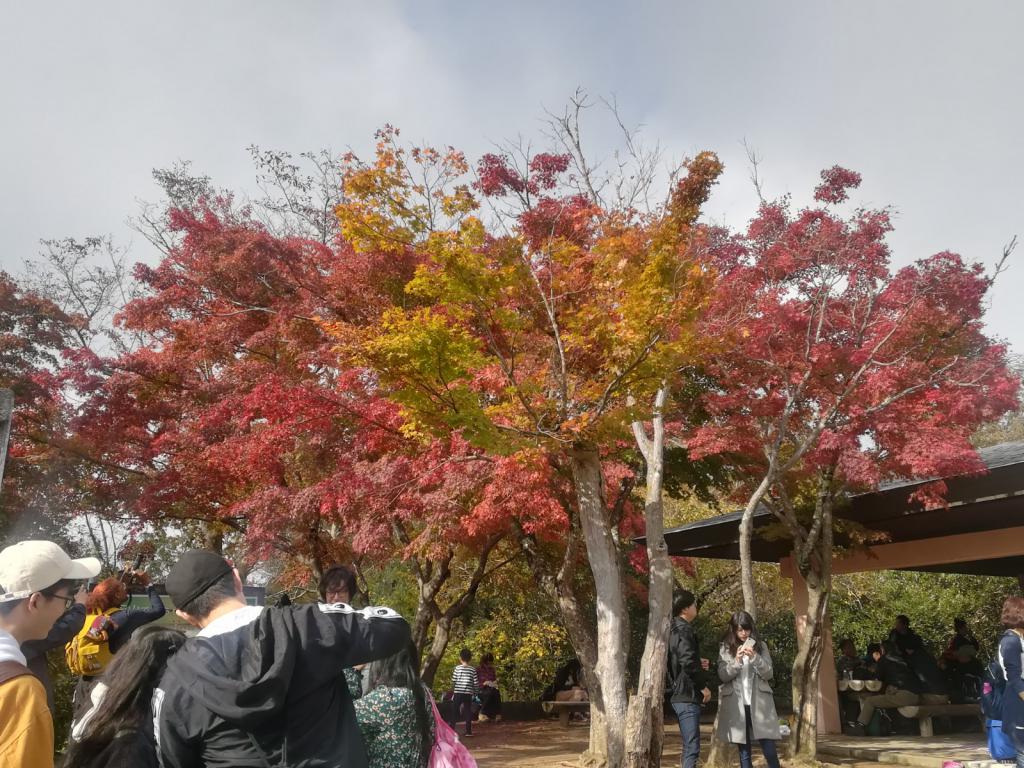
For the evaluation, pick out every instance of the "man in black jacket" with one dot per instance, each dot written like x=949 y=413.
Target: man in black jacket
x=901 y=687
x=259 y=686
x=687 y=679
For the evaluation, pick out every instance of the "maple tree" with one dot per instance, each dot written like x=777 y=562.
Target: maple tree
x=231 y=416
x=34 y=333
x=540 y=332
x=840 y=373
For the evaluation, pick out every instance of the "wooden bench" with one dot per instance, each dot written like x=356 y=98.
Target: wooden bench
x=924 y=713
x=564 y=709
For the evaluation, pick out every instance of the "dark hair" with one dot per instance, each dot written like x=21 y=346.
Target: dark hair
x=873 y=647
x=7 y=608
x=904 y=620
x=682 y=601
x=739 y=620
x=204 y=603
x=335 y=578
x=487 y=658
x=465 y=655
x=130 y=679
x=402 y=670
x=1013 y=613
x=959 y=623
x=847 y=641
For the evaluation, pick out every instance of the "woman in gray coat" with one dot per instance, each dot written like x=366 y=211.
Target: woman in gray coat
x=747 y=709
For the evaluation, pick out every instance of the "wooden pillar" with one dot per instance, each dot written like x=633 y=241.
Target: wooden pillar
x=829 y=720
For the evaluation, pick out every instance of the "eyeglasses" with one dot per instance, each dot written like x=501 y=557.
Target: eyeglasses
x=69 y=600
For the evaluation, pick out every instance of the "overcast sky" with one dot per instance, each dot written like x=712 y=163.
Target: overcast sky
x=923 y=98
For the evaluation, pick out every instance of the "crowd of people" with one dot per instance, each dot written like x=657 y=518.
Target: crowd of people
x=326 y=683
x=907 y=674
x=317 y=683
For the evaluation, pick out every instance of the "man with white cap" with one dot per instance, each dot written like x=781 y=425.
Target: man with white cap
x=37 y=584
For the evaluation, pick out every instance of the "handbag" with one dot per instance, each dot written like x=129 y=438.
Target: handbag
x=448 y=751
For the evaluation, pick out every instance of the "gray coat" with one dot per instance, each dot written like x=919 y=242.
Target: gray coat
x=732 y=718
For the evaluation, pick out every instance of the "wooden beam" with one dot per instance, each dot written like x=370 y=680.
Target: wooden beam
x=940 y=550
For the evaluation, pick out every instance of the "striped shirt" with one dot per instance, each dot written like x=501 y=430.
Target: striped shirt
x=464 y=679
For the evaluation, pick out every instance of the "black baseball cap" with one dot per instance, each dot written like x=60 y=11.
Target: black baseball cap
x=193 y=574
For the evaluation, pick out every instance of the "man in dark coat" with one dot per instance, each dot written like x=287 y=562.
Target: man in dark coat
x=687 y=680
x=900 y=685
x=263 y=686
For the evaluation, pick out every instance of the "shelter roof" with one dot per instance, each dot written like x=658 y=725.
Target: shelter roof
x=992 y=502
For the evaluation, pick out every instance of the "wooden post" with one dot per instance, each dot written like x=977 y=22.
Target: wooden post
x=829 y=720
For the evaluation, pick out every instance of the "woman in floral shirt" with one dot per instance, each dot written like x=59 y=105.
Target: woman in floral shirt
x=395 y=714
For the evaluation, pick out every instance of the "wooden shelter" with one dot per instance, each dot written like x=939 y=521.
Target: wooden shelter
x=979 y=531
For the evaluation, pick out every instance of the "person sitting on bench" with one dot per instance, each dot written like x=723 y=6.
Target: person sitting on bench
x=900 y=686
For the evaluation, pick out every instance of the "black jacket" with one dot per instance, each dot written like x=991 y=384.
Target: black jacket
x=909 y=643
x=932 y=678
x=61 y=633
x=686 y=679
x=272 y=683
x=894 y=671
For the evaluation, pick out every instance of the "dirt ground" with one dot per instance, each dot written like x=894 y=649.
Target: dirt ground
x=545 y=744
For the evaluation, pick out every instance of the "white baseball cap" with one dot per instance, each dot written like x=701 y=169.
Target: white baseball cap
x=32 y=566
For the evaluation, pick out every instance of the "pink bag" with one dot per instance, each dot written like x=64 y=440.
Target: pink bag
x=448 y=751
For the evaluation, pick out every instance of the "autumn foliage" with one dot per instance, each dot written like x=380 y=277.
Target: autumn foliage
x=452 y=380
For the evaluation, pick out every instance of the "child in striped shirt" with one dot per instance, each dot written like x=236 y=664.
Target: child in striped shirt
x=464 y=686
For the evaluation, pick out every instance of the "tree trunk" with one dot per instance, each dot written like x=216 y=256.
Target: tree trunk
x=817 y=575
x=746 y=534
x=421 y=625
x=804 y=737
x=612 y=619
x=432 y=659
x=645 y=723
x=559 y=585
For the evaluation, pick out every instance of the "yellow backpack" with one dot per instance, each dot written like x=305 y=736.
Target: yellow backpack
x=88 y=653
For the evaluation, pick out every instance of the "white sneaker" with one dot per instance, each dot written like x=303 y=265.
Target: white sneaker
x=484 y=718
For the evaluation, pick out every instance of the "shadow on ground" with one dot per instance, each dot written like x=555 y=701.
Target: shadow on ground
x=545 y=744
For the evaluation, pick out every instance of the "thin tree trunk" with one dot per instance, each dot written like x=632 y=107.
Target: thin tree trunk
x=746 y=534
x=804 y=737
x=612 y=619
x=817 y=575
x=432 y=659
x=645 y=723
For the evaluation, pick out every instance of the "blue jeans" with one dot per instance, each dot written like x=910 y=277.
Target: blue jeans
x=767 y=748
x=689 y=731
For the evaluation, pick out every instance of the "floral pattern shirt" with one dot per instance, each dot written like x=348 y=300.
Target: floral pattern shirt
x=354 y=681
x=387 y=718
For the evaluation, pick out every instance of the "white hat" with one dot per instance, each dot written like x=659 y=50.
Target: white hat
x=32 y=566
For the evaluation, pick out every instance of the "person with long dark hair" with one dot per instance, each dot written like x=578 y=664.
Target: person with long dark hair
x=747 y=708
x=118 y=730
x=395 y=715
